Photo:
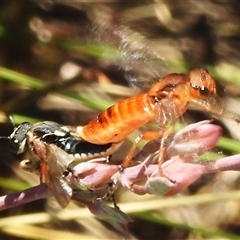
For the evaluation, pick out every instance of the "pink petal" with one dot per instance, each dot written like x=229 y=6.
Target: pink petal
x=196 y=138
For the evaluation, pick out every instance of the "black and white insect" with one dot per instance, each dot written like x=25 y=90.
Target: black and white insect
x=59 y=135
x=54 y=133
x=55 y=151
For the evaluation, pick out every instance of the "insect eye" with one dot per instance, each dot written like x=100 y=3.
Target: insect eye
x=204 y=91
x=14 y=145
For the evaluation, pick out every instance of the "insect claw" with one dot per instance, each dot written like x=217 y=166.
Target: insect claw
x=162 y=174
x=114 y=202
x=121 y=168
x=109 y=195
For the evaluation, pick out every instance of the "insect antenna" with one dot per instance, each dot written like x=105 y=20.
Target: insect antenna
x=4 y=137
x=12 y=121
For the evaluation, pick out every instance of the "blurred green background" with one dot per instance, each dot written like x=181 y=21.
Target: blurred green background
x=68 y=60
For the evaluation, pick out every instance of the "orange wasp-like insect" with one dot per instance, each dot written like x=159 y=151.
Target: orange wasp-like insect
x=167 y=100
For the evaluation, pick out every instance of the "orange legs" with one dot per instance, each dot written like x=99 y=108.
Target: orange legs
x=149 y=136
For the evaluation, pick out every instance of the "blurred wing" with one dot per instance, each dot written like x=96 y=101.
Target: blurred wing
x=142 y=59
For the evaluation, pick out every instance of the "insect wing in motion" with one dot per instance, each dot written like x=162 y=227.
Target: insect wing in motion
x=166 y=101
x=54 y=163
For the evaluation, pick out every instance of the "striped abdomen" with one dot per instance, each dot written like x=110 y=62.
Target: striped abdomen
x=114 y=124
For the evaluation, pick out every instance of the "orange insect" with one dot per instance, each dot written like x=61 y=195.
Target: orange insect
x=166 y=101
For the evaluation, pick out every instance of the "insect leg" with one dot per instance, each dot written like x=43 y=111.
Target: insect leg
x=146 y=136
x=109 y=195
x=162 y=152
